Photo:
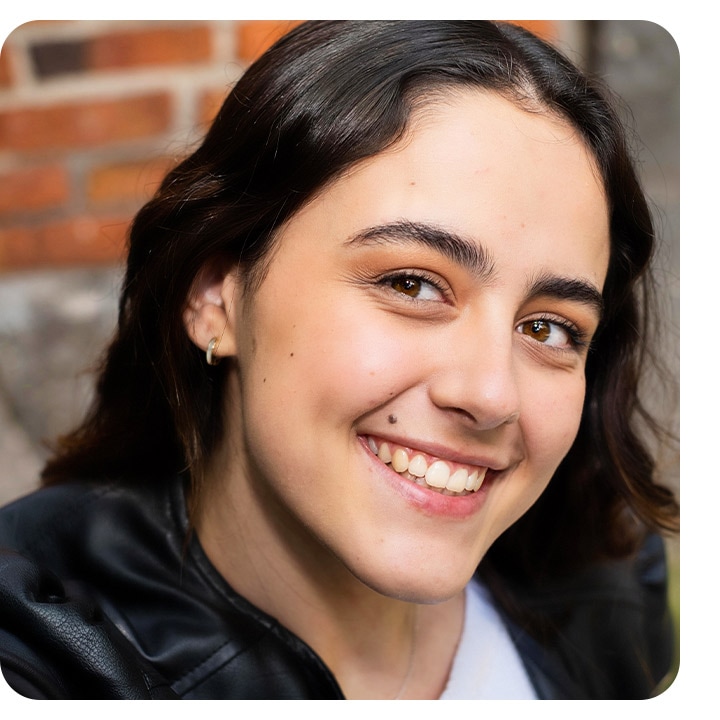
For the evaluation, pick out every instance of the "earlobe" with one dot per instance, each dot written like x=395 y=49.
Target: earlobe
x=209 y=312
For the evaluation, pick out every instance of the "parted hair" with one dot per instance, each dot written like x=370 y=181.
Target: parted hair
x=324 y=97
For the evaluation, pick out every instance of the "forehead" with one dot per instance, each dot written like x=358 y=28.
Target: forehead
x=475 y=163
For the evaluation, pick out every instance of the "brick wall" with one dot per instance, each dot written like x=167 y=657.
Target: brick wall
x=92 y=113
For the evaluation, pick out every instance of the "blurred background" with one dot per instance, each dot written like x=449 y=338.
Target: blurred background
x=92 y=113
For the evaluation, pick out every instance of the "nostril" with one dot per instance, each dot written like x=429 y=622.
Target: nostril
x=463 y=413
x=469 y=417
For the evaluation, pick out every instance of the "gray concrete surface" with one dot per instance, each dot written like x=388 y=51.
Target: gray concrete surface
x=53 y=325
x=21 y=460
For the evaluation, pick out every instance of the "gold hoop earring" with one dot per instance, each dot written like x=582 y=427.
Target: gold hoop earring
x=209 y=356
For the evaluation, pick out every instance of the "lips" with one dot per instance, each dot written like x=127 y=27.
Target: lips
x=438 y=474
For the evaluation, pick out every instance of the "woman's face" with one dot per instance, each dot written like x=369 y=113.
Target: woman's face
x=423 y=328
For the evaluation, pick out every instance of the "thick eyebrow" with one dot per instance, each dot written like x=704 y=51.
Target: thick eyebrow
x=469 y=255
x=476 y=259
x=562 y=288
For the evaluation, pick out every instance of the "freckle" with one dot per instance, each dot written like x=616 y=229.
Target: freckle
x=264 y=379
x=292 y=354
x=392 y=419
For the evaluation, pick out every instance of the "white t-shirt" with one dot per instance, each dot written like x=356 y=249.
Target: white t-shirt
x=486 y=665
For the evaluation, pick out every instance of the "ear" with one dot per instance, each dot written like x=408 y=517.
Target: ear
x=209 y=311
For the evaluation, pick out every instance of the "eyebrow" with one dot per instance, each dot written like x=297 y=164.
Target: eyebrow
x=476 y=259
x=469 y=255
x=561 y=288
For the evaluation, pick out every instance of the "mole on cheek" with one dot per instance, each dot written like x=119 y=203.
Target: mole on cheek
x=392 y=419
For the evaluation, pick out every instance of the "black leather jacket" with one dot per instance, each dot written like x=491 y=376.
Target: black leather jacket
x=105 y=594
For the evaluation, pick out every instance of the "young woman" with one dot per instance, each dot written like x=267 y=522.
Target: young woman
x=367 y=428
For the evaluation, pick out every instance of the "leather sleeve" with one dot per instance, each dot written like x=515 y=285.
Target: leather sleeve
x=56 y=644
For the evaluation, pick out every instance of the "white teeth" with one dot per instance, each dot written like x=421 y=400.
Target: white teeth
x=471 y=480
x=418 y=466
x=438 y=474
x=480 y=480
x=400 y=460
x=457 y=480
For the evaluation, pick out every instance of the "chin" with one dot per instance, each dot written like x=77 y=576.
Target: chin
x=416 y=582
x=421 y=592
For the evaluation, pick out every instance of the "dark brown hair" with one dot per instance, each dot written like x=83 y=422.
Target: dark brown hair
x=324 y=97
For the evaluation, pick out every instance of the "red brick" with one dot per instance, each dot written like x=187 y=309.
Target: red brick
x=209 y=104
x=546 y=29
x=131 y=182
x=84 y=124
x=6 y=66
x=256 y=36
x=166 y=45
x=32 y=189
x=76 y=241
x=45 y=23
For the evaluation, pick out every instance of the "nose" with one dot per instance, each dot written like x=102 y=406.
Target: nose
x=477 y=378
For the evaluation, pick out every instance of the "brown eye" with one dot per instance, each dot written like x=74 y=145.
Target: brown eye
x=551 y=333
x=407 y=285
x=539 y=330
x=414 y=286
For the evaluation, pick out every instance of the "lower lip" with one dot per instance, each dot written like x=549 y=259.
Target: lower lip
x=429 y=501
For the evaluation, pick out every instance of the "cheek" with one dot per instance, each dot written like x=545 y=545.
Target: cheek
x=550 y=420
x=340 y=363
x=550 y=417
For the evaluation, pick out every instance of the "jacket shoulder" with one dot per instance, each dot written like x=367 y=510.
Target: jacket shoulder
x=56 y=644
x=55 y=641
x=124 y=557
x=42 y=522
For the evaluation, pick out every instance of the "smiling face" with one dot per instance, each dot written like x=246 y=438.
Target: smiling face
x=411 y=369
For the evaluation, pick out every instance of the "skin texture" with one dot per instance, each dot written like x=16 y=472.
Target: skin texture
x=366 y=326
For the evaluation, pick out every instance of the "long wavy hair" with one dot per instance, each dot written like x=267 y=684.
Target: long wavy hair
x=324 y=97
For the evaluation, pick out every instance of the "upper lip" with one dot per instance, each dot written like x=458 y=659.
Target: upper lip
x=442 y=452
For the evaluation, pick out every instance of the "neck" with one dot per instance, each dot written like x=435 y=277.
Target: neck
x=377 y=647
